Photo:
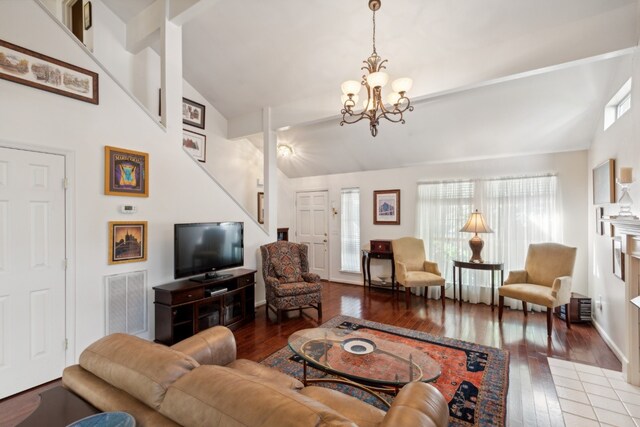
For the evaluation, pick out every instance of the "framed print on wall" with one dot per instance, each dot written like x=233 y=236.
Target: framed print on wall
x=618 y=258
x=39 y=71
x=126 y=172
x=87 y=15
x=261 y=207
x=127 y=241
x=192 y=113
x=195 y=144
x=604 y=186
x=386 y=207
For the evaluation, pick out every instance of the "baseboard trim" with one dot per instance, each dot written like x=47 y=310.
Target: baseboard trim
x=347 y=282
x=260 y=303
x=614 y=348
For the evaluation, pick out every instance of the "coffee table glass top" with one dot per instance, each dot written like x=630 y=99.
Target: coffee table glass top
x=364 y=357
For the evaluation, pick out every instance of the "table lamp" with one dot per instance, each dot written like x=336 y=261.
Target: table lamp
x=624 y=181
x=476 y=224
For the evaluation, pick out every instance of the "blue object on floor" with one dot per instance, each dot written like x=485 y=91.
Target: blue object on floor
x=106 y=419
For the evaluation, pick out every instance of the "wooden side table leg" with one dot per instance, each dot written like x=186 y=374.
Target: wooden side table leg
x=460 y=285
x=364 y=272
x=454 y=284
x=369 y=269
x=493 y=288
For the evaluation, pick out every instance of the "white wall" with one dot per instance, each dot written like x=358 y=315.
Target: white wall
x=570 y=167
x=618 y=142
x=33 y=117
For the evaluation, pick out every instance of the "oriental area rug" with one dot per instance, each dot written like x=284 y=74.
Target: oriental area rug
x=474 y=379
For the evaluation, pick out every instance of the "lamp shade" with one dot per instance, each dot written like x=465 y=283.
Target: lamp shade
x=402 y=84
x=378 y=79
x=393 y=98
x=476 y=224
x=351 y=87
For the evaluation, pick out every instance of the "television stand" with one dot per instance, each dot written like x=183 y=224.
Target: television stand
x=186 y=307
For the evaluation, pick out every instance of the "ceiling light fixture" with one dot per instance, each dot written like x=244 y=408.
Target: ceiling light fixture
x=374 y=106
x=285 y=150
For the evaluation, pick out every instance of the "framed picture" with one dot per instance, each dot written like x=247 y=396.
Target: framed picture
x=195 y=144
x=192 y=113
x=261 y=207
x=36 y=70
x=86 y=14
x=598 y=221
x=386 y=207
x=126 y=172
x=618 y=258
x=127 y=241
x=604 y=186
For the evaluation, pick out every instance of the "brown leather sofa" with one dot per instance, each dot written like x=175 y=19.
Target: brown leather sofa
x=199 y=382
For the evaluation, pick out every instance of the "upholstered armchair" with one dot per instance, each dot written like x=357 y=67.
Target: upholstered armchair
x=545 y=280
x=288 y=283
x=412 y=268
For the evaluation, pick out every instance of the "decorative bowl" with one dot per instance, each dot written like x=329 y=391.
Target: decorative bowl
x=358 y=346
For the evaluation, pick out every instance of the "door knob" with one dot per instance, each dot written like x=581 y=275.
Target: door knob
x=325 y=240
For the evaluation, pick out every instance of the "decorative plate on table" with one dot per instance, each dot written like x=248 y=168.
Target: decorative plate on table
x=358 y=346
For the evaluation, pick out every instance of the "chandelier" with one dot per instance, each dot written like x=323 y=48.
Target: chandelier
x=374 y=107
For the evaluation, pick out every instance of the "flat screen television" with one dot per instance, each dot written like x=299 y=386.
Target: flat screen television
x=206 y=248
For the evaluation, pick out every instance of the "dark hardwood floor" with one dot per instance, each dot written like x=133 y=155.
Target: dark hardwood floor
x=532 y=398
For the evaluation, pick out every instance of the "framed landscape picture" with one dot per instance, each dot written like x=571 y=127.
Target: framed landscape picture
x=126 y=172
x=618 y=258
x=195 y=144
x=192 y=113
x=386 y=207
x=36 y=70
x=261 y=207
x=127 y=241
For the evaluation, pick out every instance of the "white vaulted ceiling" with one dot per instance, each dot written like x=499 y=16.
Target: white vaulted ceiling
x=292 y=56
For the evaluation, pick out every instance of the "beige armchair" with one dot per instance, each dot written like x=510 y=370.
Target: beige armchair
x=412 y=268
x=546 y=280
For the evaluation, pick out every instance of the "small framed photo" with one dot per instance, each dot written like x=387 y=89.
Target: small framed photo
x=127 y=241
x=604 y=186
x=126 y=172
x=386 y=207
x=261 y=207
x=39 y=71
x=195 y=144
x=87 y=15
x=192 y=113
x=618 y=258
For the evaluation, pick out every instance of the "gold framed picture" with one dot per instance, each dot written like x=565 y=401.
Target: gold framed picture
x=126 y=172
x=261 y=207
x=127 y=241
x=386 y=207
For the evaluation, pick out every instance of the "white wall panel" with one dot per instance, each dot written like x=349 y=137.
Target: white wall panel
x=38 y=310
x=3 y=326
x=3 y=174
x=39 y=234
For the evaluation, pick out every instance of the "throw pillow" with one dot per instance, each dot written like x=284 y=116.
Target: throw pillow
x=287 y=272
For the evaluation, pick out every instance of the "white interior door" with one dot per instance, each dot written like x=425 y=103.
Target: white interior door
x=32 y=271
x=312 y=224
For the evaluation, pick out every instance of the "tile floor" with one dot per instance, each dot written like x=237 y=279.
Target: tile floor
x=591 y=396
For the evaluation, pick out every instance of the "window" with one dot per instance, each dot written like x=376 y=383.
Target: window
x=350 y=230
x=618 y=105
x=519 y=210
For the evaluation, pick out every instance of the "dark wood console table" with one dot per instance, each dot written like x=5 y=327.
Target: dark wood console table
x=366 y=268
x=185 y=308
x=487 y=266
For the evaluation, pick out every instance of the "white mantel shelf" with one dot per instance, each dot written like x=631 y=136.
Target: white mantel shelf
x=625 y=226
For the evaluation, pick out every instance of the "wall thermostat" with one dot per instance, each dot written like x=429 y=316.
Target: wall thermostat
x=128 y=209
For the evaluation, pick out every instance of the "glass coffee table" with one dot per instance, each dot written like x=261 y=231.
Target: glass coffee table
x=362 y=360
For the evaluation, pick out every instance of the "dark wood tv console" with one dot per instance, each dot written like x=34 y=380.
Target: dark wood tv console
x=185 y=308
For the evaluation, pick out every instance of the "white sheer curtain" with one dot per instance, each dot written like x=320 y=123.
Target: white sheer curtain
x=520 y=210
x=350 y=230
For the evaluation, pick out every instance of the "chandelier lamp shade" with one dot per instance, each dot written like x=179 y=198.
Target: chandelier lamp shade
x=374 y=106
x=476 y=224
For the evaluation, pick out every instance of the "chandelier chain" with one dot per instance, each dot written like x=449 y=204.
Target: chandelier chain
x=374 y=32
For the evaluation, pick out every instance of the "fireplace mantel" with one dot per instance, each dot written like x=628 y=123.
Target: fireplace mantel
x=629 y=231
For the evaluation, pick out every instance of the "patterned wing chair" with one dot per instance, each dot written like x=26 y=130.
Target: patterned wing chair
x=289 y=285
x=546 y=280
x=413 y=269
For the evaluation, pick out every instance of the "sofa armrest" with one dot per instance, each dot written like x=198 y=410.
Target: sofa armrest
x=213 y=346
x=561 y=290
x=401 y=272
x=418 y=404
x=431 y=267
x=516 y=276
x=311 y=277
x=271 y=281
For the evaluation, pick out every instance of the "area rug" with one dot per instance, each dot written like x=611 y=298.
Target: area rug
x=474 y=378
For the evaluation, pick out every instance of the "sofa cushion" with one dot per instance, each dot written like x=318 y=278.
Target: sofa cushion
x=534 y=294
x=363 y=414
x=141 y=368
x=219 y=396
x=266 y=373
x=297 y=288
